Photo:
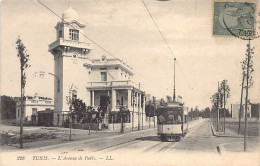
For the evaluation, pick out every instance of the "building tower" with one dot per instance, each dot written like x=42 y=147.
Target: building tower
x=71 y=53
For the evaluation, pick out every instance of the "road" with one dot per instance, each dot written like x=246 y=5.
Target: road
x=198 y=147
x=139 y=142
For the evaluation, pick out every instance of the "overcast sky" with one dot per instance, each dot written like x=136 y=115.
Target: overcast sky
x=125 y=29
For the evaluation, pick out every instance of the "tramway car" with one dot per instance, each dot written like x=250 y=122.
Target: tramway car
x=172 y=121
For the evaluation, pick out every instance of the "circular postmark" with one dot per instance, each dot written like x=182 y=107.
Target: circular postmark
x=238 y=18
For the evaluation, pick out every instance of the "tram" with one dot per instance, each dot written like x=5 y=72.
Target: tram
x=172 y=121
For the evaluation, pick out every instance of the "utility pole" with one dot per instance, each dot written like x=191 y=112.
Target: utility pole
x=133 y=108
x=139 y=104
x=70 y=117
x=143 y=99
x=154 y=104
x=218 y=109
x=224 y=105
x=241 y=104
x=247 y=77
x=174 y=82
x=149 y=112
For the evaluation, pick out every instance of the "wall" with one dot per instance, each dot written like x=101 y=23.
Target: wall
x=112 y=74
x=29 y=105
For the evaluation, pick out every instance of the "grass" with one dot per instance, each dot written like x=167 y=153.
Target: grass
x=252 y=126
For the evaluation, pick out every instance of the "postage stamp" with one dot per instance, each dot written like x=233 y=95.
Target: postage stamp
x=234 y=18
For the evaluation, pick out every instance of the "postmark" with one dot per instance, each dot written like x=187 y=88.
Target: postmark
x=234 y=18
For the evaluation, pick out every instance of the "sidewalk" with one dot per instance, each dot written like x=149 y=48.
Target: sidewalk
x=235 y=142
x=78 y=135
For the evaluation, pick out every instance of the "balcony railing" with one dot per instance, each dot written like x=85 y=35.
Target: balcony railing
x=69 y=43
x=113 y=83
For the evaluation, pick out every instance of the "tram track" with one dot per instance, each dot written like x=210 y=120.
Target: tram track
x=166 y=147
x=116 y=147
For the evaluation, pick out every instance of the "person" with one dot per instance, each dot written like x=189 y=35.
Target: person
x=161 y=119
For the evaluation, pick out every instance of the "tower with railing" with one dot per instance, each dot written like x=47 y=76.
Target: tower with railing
x=70 y=52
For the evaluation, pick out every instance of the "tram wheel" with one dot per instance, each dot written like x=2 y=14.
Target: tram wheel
x=164 y=138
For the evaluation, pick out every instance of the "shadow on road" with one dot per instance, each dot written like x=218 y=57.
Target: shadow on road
x=149 y=138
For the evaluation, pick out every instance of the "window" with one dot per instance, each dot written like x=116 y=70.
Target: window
x=116 y=68
x=34 y=111
x=103 y=76
x=60 y=34
x=18 y=113
x=58 y=88
x=74 y=34
x=103 y=68
x=122 y=100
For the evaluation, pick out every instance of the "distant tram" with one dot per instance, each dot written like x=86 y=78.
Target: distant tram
x=172 y=121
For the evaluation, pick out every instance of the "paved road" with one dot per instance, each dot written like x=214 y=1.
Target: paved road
x=139 y=141
x=143 y=147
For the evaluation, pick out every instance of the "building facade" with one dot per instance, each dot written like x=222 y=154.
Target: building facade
x=253 y=110
x=33 y=106
x=91 y=76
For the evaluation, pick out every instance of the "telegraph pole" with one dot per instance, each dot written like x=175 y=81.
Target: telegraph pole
x=133 y=108
x=139 y=104
x=174 y=82
x=218 y=109
x=224 y=105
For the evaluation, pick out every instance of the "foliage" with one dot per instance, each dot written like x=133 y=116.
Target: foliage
x=194 y=112
x=24 y=58
x=221 y=113
x=103 y=109
x=214 y=100
x=149 y=110
x=224 y=92
x=8 y=107
x=79 y=109
x=249 y=56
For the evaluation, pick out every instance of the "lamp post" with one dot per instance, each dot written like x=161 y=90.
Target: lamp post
x=42 y=74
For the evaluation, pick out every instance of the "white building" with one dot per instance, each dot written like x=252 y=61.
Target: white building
x=32 y=106
x=92 y=75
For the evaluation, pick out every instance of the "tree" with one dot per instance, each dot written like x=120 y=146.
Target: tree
x=224 y=95
x=7 y=107
x=247 y=70
x=79 y=109
x=24 y=58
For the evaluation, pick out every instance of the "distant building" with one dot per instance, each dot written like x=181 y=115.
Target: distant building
x=252 y=110
x=33 y=106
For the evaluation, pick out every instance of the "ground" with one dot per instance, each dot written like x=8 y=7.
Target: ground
x=201 y=146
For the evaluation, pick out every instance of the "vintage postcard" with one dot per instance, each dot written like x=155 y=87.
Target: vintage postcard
x=130 y=82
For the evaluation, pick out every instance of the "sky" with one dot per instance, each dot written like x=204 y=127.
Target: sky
x=125 y=29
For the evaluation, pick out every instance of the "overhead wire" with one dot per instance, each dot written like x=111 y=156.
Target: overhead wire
x=90 y=39
x=166 y=43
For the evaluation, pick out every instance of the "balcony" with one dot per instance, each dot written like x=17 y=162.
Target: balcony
x=69 y=43
x=100 y=84
x=111 y=62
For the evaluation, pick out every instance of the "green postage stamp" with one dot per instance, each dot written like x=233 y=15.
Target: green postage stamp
x=234 y=18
